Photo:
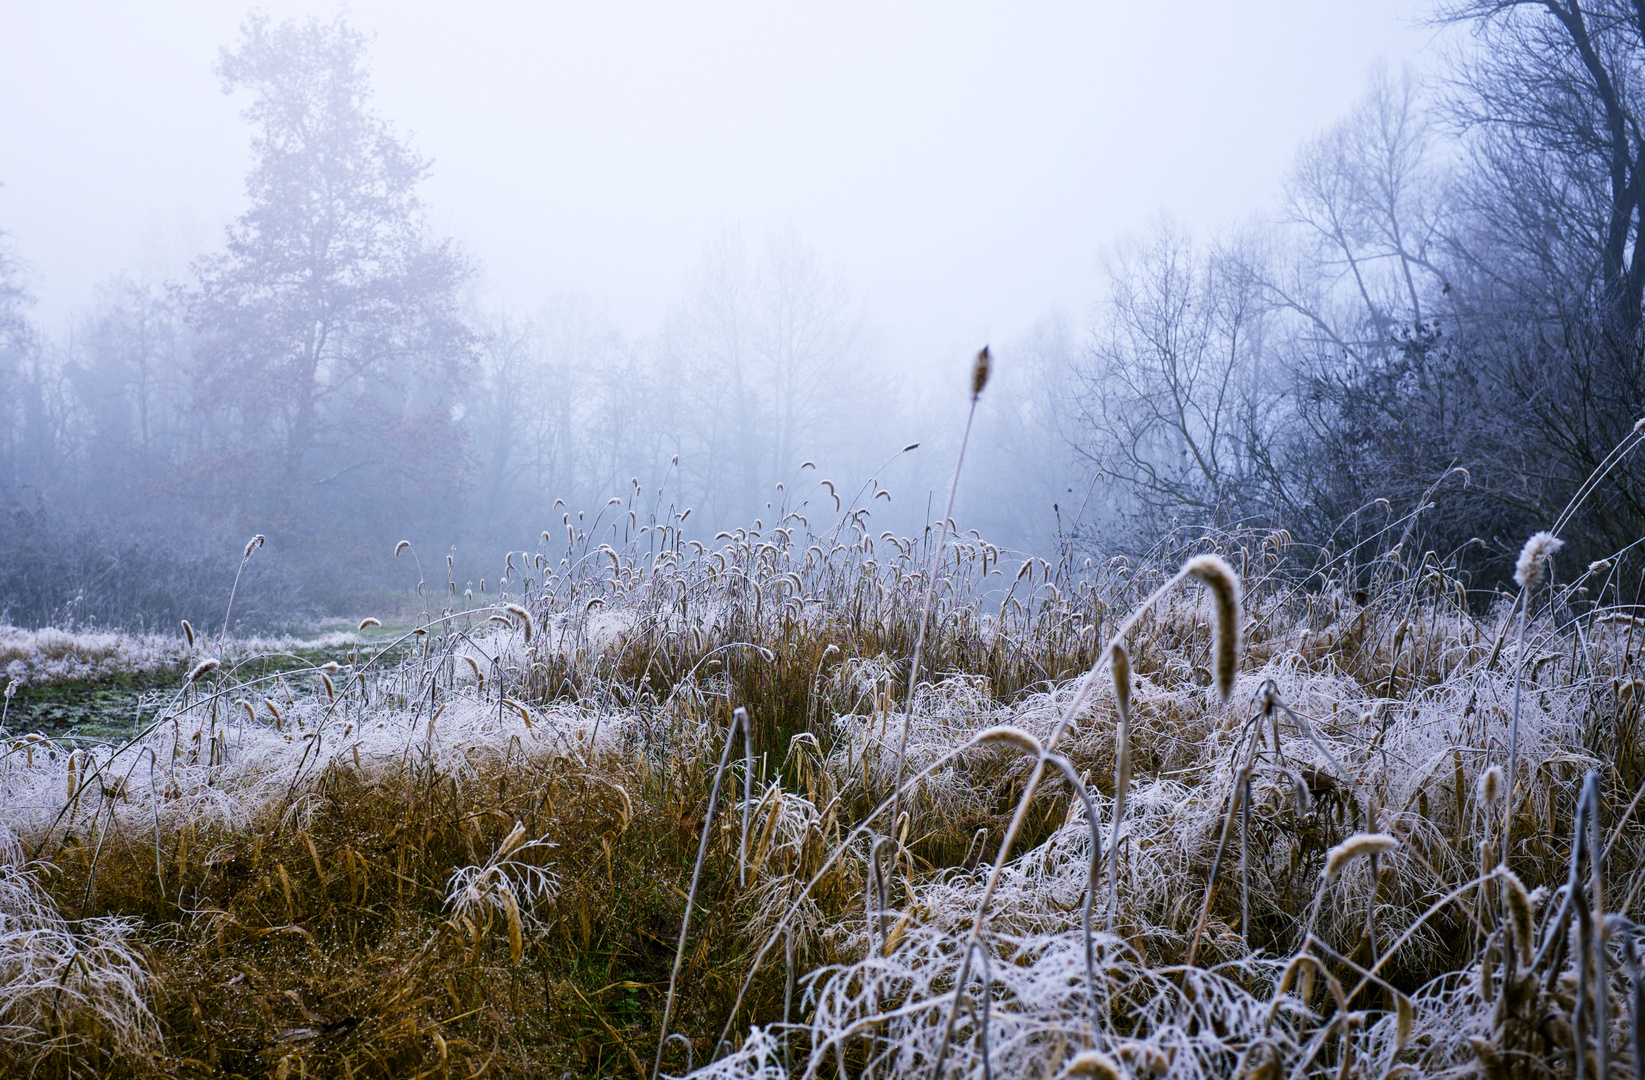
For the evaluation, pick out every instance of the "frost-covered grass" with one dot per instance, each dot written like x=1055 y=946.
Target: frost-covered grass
x=48 y=655
x=472 y=851
x=36 y=657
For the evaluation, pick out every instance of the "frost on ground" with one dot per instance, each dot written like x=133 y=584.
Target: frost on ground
x=49 y=655
x=66 y=988
x=476 y=851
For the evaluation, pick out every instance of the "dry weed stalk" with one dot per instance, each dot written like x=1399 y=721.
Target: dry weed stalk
x=980 y=368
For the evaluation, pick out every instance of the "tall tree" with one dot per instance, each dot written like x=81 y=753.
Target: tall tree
x=1553 y=202
x=32 y=409
x=1555 y=97
x=331 y=341
x=16 y=344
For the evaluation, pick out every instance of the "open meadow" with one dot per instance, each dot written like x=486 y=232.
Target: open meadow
x=1260 y=699
x=660 y=808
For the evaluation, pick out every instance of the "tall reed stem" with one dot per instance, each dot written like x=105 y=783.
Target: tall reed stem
x=251 y=545
x=738 y=719
x=979 y=379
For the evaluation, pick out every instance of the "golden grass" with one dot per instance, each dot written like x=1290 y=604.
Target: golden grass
x=471 y=853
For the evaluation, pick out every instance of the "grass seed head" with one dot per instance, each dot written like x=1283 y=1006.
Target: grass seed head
x=1533 y=558
x=1145 y=1058
x=1215 y=574
x=1520 y=916
x=524 y=616
x=1120 y=665
x=1360 y=844
x=1010 y=736
x=368 y=621
x=1489 y=787
x=203 y=668
x=1092 y=1063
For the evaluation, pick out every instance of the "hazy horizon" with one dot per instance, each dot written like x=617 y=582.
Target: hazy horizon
x=960 y=168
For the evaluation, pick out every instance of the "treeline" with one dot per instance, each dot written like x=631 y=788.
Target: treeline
x=1445 y=311
x=330 y=379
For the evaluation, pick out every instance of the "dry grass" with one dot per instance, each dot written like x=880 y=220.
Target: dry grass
x=471 y=853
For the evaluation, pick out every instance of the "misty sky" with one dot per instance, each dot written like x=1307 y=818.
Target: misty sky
x=961 y=164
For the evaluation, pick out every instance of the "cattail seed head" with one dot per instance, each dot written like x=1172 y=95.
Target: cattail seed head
x=204 y=667
x=1360 y=844
x=1489 y=787
x=1215 y=574
x=1533 y=558
x=1091 y=1063
x=979 y=372
x=1011 y=736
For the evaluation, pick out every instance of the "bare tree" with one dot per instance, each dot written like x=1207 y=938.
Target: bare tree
x=1365 y=212
x=128 y=364
x=1385 y=400
x=1179 y=410
x=18 y=348
x=1553 y=96
x=766 y=355
x=1553 y=202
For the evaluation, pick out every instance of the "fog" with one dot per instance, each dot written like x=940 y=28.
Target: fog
x=960 y=164
x=710 y=257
